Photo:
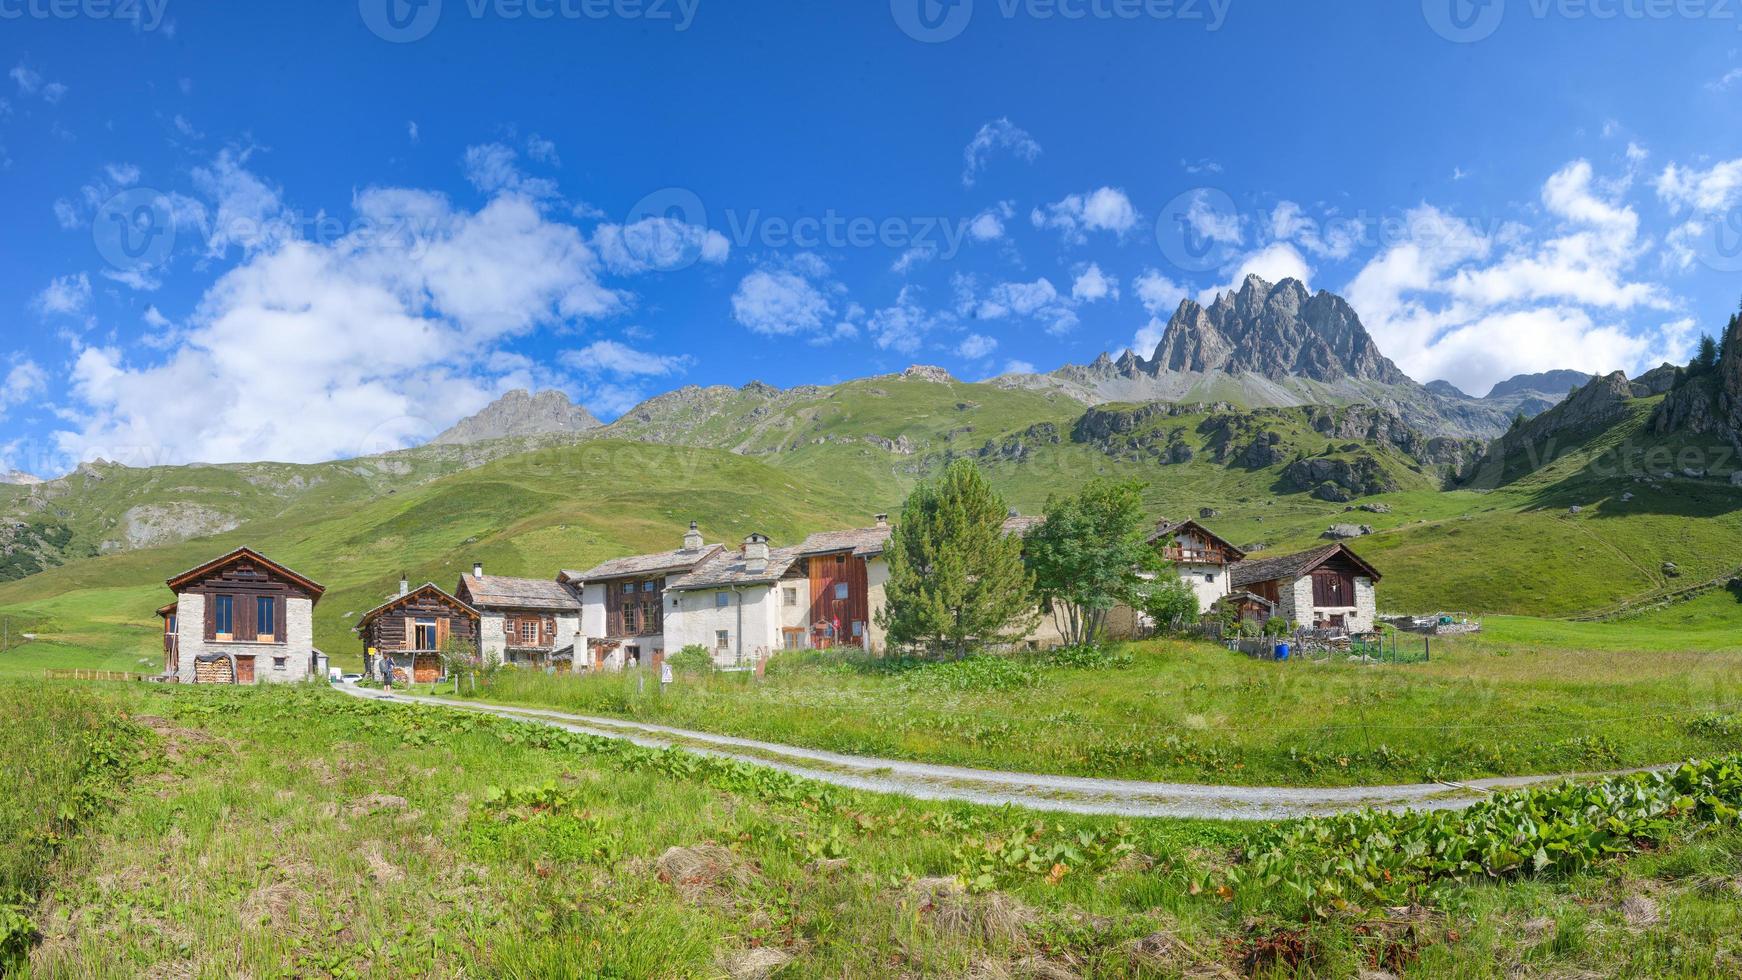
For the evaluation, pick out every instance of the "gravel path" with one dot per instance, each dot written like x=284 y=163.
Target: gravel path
x=1036 y=791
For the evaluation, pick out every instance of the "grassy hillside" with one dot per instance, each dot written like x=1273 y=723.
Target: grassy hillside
x=531 y=514
x=822 y=458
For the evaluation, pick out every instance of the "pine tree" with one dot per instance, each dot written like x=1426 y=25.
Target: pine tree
x=1706 y=360
x=955 y=578
x=1089 y=556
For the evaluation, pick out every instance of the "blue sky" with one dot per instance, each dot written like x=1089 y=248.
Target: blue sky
x=306 y=231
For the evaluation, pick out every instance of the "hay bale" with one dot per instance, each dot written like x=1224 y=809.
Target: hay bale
x=705 y=873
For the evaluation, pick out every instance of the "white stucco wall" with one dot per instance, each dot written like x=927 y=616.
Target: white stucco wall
x=1210 y=582
x=751 y=618
x=877 y=595
x=297 y=650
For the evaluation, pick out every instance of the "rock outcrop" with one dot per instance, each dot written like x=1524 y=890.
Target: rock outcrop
x=520 y=413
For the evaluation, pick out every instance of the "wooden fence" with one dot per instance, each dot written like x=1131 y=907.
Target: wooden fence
x=80 y=674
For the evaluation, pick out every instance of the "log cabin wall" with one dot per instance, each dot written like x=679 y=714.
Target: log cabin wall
x=391 y=631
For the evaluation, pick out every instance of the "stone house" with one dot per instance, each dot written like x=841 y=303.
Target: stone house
x=241 y=619
x=1200 y=558
x=623 y=603
x=1329 y=587
x=527 y=622
x=412 y=631
x=735 y=604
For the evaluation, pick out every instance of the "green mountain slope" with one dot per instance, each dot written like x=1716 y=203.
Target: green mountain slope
x=786 y=463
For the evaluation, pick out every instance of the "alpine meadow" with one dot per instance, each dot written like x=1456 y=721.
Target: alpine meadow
x=1022 y=490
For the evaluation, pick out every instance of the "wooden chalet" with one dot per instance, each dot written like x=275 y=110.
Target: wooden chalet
x=241 y=619
x=414 y=629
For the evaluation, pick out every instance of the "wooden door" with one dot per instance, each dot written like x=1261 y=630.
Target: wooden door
x=244 y=670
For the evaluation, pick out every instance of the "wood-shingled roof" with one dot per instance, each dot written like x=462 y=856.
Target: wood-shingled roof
x=246 y=554
x=637 y=566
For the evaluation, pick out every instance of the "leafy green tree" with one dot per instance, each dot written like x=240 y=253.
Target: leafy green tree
x=1172 y=603
x=955 y=578
x=1518 y=421
x=1089 y=556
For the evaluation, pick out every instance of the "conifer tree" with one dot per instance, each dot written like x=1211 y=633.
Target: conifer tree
x=955 y=578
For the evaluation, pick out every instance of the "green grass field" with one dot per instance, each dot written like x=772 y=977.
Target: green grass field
x=298 y=832
x=1527 y=697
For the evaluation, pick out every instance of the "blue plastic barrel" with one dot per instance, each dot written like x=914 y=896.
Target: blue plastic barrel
x=1282 y=651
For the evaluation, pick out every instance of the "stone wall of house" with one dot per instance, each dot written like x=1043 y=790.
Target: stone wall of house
x=876 y=596
x=1366 y=605
x=492 y=640
x=280 y=663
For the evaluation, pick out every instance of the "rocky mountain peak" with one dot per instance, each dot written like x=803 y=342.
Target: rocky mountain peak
x=1546 y=382
x=928 y=372
x=19 y=478
x=520 y=413
x=1274 y=330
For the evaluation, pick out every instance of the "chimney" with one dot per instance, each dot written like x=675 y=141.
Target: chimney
x=692 y=539
x=404 y=585
x=882 y=520
x=756 y=553
x=477 y=569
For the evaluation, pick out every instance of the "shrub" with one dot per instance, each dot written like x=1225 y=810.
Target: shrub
x=692 y=659
x=1085 y=657
x=977 y=673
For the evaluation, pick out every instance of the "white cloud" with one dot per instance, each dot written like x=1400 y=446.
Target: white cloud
x=29 y=80
x=781 y=303
x=1331 y=238
x=659 y=244
x=493 y=168
x=247 y=212
x=411 y=130
x=122 y=174
x=24 y=380
x=1723 y=82
x=612 y=357
x=1038 y=300
x=1203 y=165
x=542 y=150
x=915 y=256
x=310 y=351
x=1093 y=284
x=1160 y=297
x=1450 y=300
x=1689 y=188
x=999 y=134
x=988 y=225
x=1018 y=367
x=1272 y=263
x=904 y=326
x=976 y=346
x=65 y=295
x=1104 y=209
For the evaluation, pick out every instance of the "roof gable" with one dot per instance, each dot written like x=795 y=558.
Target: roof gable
x=728 y=568
x=1165 y=530
x=1253 y=571
x=178 y=582
x=428 y=588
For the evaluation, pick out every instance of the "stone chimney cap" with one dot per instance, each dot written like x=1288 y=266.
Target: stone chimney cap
x=477 y=569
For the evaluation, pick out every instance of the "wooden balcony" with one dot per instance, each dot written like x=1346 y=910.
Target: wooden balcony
x=1194 y=556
